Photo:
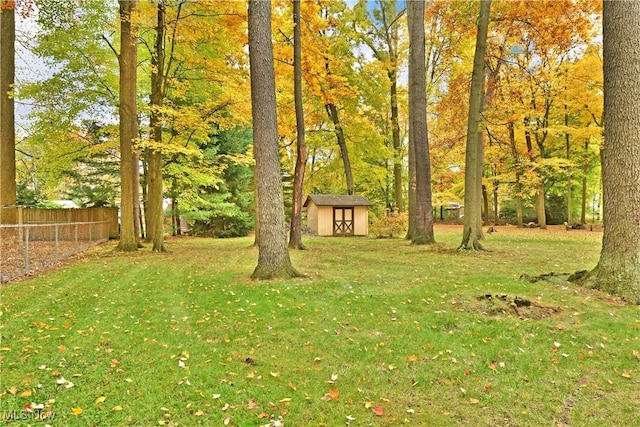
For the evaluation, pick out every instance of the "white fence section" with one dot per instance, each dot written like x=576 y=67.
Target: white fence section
x=28 y=247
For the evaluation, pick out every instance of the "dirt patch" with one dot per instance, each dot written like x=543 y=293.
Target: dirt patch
x=505 y=305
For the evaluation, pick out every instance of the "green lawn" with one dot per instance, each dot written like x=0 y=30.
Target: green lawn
x=380 y=333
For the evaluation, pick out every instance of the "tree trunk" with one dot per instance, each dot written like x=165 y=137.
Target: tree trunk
x=128 y=123
x=8 y=213
x=618 y=270
x=273 y=254
x=496 y=210
x=485 y=204
x=397 y=145
x=540 y=211
x=411 y=226
x=475 y=152
x=332 y=111
x=411 y=180
x=137 y=214
x=144 y=188
x=567 y=140
x=518 y=167
x=585 y=170
x=540 y=204
x=155 y=232
x=423 y=232
x=295 y=235
x=176 y=229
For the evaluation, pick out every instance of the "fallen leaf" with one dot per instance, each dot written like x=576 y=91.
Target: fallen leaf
x=378 y=411
x=26 y=393
x=335 y=393
x=474 y=401
x=350 y=418
x=76 y=411
x=626 y=374
x=100 y=399
x=116 y=408
x=292 y=386
x=285 y=400
x=412 y=358
x=13 y=390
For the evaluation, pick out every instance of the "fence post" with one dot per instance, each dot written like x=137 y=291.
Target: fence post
x=26 y=250
x=20 y=221
x=56 y=237
x=76 y=232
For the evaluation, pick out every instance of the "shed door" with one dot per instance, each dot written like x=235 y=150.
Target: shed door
x=342 y=221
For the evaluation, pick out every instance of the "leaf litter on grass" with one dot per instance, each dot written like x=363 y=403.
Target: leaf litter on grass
x=416 y=340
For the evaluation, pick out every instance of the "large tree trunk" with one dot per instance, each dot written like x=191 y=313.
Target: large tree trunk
x=295 y=234
x=423 y=221
x=8 y=214
x=618 y=270
x=411 y=226
x=128 y=123
x=155 y=231
x=273 y=254
x=475 y=153
x=332 y=111
x=411 y=180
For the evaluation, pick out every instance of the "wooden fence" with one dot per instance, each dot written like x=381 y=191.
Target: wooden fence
x=51 y=216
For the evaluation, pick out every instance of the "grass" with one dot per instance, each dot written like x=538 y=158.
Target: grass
x=380 y=333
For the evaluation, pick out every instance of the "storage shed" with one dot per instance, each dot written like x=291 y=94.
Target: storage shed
x=338 y=215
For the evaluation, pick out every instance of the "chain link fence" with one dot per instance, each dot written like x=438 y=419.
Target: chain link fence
x=28 y=247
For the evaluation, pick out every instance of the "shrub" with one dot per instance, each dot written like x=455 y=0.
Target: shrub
x=390 y=226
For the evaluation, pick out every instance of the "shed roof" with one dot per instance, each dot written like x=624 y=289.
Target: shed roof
x=337 y=200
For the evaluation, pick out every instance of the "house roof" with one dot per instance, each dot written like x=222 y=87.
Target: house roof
x=337 y=200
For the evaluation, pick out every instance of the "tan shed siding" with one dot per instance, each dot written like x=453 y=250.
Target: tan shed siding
x=361 y=221
x=312 y=217
x=325 y=220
